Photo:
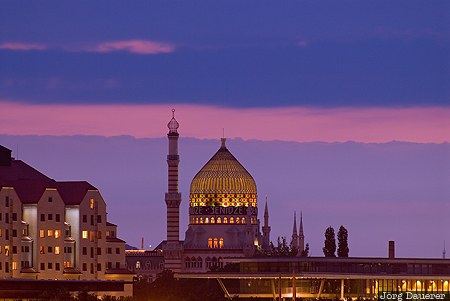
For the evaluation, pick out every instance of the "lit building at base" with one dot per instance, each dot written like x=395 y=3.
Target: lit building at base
x=55 y=230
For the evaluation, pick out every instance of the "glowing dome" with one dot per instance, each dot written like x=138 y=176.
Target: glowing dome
x=223 y=181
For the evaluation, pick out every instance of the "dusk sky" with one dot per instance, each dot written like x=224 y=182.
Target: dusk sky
x=288 y=75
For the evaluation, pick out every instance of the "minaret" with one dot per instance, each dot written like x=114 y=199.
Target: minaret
x=301 y=236
x=173 y=199
x=266 y=229
x=294 y=242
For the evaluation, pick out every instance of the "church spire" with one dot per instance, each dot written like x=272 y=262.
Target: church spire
x=301 y=236
x=294 y=242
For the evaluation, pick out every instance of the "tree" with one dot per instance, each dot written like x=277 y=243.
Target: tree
x=342 y=242
x=305 y=252
x=329 y=249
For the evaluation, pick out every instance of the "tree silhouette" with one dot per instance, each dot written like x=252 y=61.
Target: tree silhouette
x=329 y=249
x=342 y=242
x=305 y=252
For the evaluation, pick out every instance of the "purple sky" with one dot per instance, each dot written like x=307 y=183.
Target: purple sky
x=287 y=81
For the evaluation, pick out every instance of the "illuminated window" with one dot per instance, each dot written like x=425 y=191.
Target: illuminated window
x=42 y=250
x=92 y=235
x=196 y=220
x=237 y=220
x=0 y=249
x=219 y=220
x=67 y=264
x=206 y=220
x=85 y=234
x=41 y=233
x=50 y=233
x=138 y=265
x=225 y=220
x=216 y=243
x=92 y=204
x=221 y=242
x=213 y=220
x=1 y=234
x=201 y=220
x=57 y=233
x=99 y=234
x=57 y=250
x=6 y=250
x=231 y=220
x=210 y=242
x=14 y=265
x=193 y=220
x=243 y=220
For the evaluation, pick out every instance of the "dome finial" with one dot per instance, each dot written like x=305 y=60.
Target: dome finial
x=173 y=124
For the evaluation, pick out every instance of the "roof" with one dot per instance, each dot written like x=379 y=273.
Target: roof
x=73 y=193
x=222 y=174
x=114 y=239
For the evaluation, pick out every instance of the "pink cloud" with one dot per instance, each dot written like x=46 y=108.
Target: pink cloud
x=134 y=46
x=417 y=124
x=16 y=46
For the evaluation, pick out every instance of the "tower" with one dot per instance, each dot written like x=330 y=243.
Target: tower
x=173 y=247
x=266 y=229
x=294 y=242
x=301 y=236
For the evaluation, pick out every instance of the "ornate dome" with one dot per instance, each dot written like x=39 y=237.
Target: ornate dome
x=223 y=181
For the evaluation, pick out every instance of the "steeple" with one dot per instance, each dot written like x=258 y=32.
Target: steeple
x=301 y=236
x=266 y=229
x=294 y=242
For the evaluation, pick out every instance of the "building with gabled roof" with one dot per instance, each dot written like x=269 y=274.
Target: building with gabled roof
x=55 y=230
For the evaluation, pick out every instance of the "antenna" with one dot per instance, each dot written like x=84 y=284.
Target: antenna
x=223 y=132
x=443 y=251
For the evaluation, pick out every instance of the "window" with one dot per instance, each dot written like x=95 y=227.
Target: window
x=99 y=234
x=92 y=204
x=221 y=242
x=14 y=265
x=67 y=264
x=14 y=217
x=92 y=235
x=0 y=216
x=117 y=250
x=41 y=250
x=14 y=249
x=113 y=234
x=14 y=232
x=68 y=250
x=57 y=233
x=92 y=268
x=109 y=265
x=57 y=266
x=50 y=265
x=206 y=220
x=117 y=265
x=58 y=218
x=85 y=234
x=84 y=251
x=50 y=217
x=6 y=251
x=108 y=234
x=210 y=242
x=50 y=249
x=238 y=220
x=231 y=220
x=108 y=251
x=243 y=220
x=42 y=266
x=57 y=250
x=49 y=233
x=50 y=199
x=41 y=233
x=0 y=251
x=7 y=234
x=99 y=251
x=216 y=243
x=99 y=266
x=219 y=220
x=84 y=218
x=213 y=220
x=92 y=220
x=92 y=252
x=99 y=218
x=7 y=201
x=84 y=267
x=138 y=265
x=7 y=218
x=42 y=217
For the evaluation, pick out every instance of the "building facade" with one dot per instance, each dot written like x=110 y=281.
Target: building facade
x=55 y=230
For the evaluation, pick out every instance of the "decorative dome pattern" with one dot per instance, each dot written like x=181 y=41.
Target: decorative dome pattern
x=223 y=181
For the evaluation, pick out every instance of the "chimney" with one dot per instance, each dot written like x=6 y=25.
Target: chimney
x=391 y=249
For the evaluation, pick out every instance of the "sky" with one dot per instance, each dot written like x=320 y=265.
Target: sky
x=286 y=72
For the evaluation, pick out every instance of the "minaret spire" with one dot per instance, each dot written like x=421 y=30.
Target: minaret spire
x=294 y=242
x=266 y=229
x=172 y=250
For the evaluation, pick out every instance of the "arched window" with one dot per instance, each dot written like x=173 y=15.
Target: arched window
x=193 y=262
x=219 y=220
x=208 y=262
x=220 y=262
x=213 y=220
x=221 y=242
x=243 y=220
x=199 y=262
x=216 y=243
x=210 y=242
x=196 y=220
x=214 y=262
x=225 y=220
x=138 y=265
x=147 y=265
x=187 y=263
x=237 y=220
x=206 y=220
x=192 y=220
x=231 y=220
x=201 y=220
